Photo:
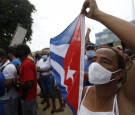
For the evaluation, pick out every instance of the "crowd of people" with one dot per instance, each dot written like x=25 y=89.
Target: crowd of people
x=22 y=72
x=108 y=87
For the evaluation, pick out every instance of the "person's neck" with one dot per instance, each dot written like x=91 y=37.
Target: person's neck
x=89 y=59
x=23 y=58
x=106 y=91
x=13 y=57
x=4 y=60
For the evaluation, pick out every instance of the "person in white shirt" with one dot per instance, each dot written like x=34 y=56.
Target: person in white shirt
x=39 y=60
x=10 y=98
x=47 y=81
x=47 y=67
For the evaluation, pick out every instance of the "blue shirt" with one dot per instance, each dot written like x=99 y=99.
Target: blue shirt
x=86 y=68
x=16 y=61
x=86 y=65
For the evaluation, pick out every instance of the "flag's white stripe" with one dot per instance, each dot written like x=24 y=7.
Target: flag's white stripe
x=60 y=70
x=81 y=61
x=60 y=50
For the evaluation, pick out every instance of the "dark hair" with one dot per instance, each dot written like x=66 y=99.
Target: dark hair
x=3 y=53
x=120 y=58
x=37 y=55
x=12 y=50
x=89 y=44
x=128 y=52
x=44 y=52
x=24 y=48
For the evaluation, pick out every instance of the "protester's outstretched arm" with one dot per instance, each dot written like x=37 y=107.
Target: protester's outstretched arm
x=123 y=29
x=87 y=35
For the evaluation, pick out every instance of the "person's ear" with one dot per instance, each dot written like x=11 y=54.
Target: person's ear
x=119 y=74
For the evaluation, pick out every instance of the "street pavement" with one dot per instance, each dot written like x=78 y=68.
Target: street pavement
x=40 y=107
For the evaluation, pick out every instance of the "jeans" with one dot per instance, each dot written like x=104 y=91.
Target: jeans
x=10 y=106
x=47 y=83
x=29 y=107
x=1 y=108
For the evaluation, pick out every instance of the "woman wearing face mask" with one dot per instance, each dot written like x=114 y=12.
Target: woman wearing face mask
x=105 y=98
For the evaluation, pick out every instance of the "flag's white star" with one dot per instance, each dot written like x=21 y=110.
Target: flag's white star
x=70 y=74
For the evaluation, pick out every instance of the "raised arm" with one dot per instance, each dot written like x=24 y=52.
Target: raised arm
x=123 y=29
x=87 y=35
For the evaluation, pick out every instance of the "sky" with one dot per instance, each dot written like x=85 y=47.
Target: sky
x=53 y=16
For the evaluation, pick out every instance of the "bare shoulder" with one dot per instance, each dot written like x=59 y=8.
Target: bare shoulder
x=124 y=102
x=128 y=89
x=127 y=94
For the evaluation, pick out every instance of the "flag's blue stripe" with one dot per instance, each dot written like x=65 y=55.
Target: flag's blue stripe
x=57 y=58
x=62 y=89
x=71 y=107
x=58 y=80
x=66 y=36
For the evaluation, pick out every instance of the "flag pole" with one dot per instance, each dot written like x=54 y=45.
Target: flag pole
x=133 y=9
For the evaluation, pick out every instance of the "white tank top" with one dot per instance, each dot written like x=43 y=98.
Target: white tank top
x=85 y=111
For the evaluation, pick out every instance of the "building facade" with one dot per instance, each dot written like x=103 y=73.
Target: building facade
x=108 y=37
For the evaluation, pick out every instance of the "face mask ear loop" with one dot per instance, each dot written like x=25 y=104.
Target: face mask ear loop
x=112 y=80
x=113 y=73
x=117 y=71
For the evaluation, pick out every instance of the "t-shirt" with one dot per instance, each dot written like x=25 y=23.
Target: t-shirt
x=16 y=61
x=28 y=73
x=87 y=63
x=44 y=64
x=9 y=72
x=38 y=65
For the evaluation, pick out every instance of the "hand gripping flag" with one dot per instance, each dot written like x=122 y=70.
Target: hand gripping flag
x=67 y=61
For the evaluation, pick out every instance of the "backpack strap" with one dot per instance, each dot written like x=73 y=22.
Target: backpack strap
x=1 y=70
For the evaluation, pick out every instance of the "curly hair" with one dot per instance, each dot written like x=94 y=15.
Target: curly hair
x=3 y=53
x=24 y=48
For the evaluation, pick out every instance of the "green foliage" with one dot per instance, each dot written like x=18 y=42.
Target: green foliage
x=13 y=12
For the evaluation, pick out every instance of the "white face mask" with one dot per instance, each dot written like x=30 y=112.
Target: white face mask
x=99 y=75
x=44 y=57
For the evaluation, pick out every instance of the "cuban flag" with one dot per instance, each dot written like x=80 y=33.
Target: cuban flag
x=67 y=62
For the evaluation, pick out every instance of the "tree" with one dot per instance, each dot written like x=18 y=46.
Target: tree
x=13 y=12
